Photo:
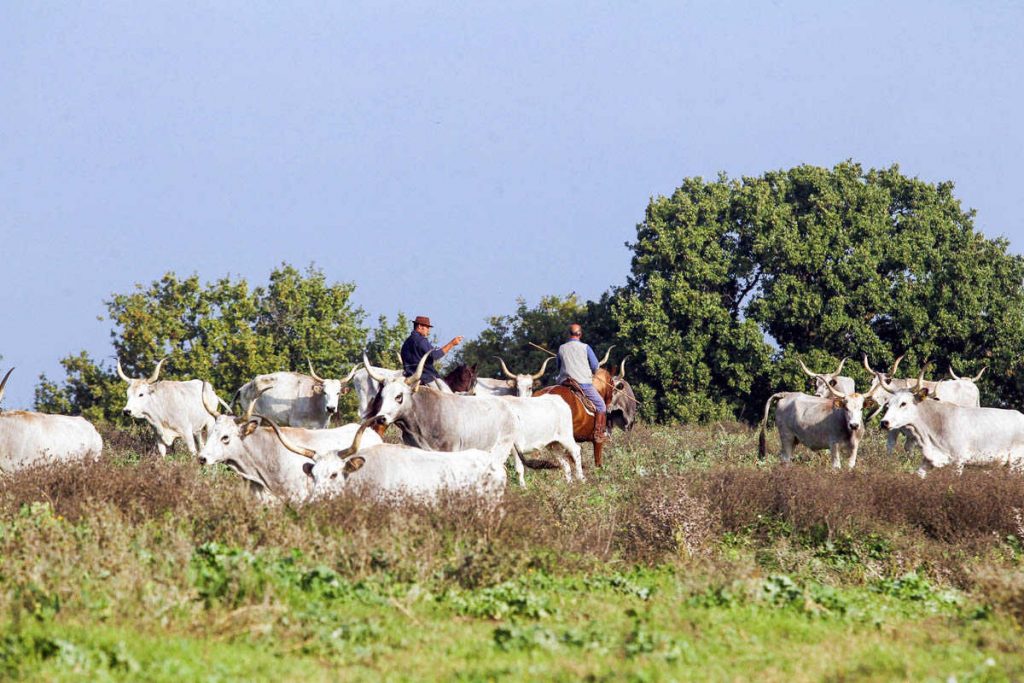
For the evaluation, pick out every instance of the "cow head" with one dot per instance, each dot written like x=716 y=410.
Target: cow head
x=851 y=404
x=331 y=389
x=902 y=405
x=395 y=393
x=329 y=471
x=823 y=379
x=139 y=391
x=225 y=442
x=969 y=379
x=4 y=383
x=523 y=384
x=623 y=407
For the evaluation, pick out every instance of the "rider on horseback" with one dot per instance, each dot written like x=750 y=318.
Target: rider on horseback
x=577 y=361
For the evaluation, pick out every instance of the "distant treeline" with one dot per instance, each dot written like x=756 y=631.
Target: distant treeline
x=732 y=280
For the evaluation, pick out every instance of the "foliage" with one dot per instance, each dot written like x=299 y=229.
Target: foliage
x=729 y=275
x=224 y=332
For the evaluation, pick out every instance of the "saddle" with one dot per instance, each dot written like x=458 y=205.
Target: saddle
x=577 y=391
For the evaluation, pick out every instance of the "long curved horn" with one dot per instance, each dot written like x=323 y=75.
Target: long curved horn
x=504 y=368
x=356 y=440
x=120 y=372
x=920 y=377
x=607 y=354
x=868 y=367
x=951 y=372
x=414 y=379
x=896 y=364
x=840 y=368
x=831 y=389
x=203 y=397
x=978 y=376
x=622 y=368
x=4 y=383
x=301 y=450
x=156 y=372
x=812 y=374
x=252 y=404
x=369 y=370
x=312 y=372
x=401 y=363
x=542 y=368
x=349 y=376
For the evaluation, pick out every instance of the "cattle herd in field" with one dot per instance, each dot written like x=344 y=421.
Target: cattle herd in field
x=275 y=432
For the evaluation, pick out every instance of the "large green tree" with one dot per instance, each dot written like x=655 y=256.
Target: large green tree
x=732 y=280
x=224 y=332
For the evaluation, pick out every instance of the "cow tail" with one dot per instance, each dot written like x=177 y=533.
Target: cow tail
x=762 y=439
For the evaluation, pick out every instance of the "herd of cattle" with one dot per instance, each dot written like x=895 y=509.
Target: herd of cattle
x=943 y=418
x=280 y=441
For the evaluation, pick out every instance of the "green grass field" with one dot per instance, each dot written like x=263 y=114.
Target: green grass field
x=683 y=559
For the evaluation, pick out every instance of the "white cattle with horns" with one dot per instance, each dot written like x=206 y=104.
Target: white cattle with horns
x=174 y=409
x=293 y=399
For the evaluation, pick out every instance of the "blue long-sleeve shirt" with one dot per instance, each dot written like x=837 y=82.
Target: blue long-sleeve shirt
x=414 y=348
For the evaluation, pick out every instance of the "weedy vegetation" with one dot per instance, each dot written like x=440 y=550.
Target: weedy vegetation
x=683 y=559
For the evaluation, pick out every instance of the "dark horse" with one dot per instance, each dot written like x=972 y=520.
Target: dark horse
x=583 y=423
x=461 y=378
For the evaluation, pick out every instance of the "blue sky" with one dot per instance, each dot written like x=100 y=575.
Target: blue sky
x=449 y=157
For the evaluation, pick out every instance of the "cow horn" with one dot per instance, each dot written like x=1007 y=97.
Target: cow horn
x=951 y=372
x=978 y=376
x=156 y=372
x=348 y=378
x=205 y=404
x=369 y=370
x=312 y=372
x=607 y=354
x=840 y=368
x=831 y=389
x=4 y=383
x=504 y=368
x=120 y=372
x=622 y=368
x=542 y=368
x=920 y=377
x=414 y=379
x=868 y=367
x=401 y=363
x=301 y=450
x=357 y=439
x=252 y=404
x=812 y=374
x=896 y=364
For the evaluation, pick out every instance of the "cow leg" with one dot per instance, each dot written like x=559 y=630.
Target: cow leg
x=576 y=453
x=890 y=442
x=566 y=469
x=852 y=461
x=787 y=442
x=517 y=462
x=836 y=462
x=924 y=468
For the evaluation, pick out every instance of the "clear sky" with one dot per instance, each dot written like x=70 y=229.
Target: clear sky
x=448 y=157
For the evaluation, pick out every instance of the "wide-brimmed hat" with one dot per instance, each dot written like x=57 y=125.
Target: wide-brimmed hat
x=422 y=320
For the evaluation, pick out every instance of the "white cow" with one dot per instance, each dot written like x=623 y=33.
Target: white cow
x=435 y=421
x=29 y=438
x=818 y=423
x=366 y=386
x=274 y=473
x=957 y=435
x=386 y=470
x=174 y=409
x=515 y=385
x=545 y=421
x=958 y=391
x=293 y=399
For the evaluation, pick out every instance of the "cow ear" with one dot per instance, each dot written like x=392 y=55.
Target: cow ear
x=345 y=390
x=921 y=393
x=307 y=467
x=837 y=404
x=318 y=388
x=353 y=464
x=870 y=403
x=250 y=427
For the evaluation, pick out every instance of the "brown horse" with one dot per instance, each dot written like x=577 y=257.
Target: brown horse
x=582 y=422
x=461 y=378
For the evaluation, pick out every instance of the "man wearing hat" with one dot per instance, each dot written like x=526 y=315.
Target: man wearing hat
x=417 y=346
